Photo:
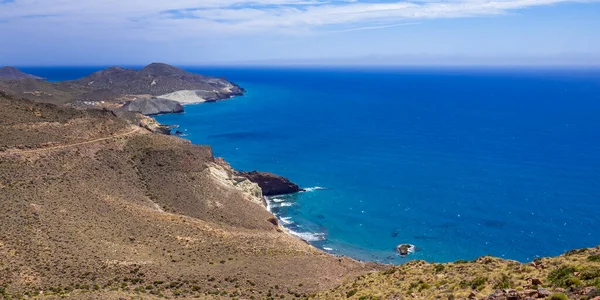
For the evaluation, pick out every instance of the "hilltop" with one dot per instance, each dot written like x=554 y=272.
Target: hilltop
x=13 y=73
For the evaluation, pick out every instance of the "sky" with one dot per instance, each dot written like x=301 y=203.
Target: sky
x=281 y=32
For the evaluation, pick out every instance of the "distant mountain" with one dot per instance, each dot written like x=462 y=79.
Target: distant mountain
x=112 y=87
x=14 y=73
x=161 y=80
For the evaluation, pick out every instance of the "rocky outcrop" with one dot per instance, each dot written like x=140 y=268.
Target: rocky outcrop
x=143 y=121
x=13 y=73
x=404 y=249
x=153 y=106
x=225 y=175
x=271 y=184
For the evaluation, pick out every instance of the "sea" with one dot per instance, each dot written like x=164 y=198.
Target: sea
x=459 y=162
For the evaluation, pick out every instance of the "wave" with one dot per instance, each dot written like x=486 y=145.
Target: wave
x=287 y=220
x=316 y=188
x=308 y=236
x=327 y=249
x=277 y=200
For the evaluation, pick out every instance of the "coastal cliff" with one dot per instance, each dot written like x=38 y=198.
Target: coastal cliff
x=96 y=207
x=271 y=184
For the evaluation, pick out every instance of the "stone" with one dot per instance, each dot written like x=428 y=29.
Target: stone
x=271 y=184
x=542 y=293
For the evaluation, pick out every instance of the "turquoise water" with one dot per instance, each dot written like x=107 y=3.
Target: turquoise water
x=460 y=163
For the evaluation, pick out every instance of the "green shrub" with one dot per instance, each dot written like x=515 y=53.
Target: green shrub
x=478 y=282
x=424 y=286
x=590 y=273
x=474 y=284
x=560 y=276
x=390 y=271
x=439 y=268
x=595 y=258
x=503 y=283
x=351 y=293
x=558 y=296
x=573 y=281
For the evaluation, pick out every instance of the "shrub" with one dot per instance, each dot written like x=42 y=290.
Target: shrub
x=439 y=268
x=474 y=284
x=560 y=276
x=424 y=286
x=503 y=283
x=595 y=258
x=590 y=273
x=577 y=251
x=558 y=296
x=351 y=293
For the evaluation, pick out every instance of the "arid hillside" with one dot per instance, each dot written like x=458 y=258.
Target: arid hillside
x=573 y=275
x=96 y=208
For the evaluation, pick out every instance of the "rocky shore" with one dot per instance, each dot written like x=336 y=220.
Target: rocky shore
x=271 y=184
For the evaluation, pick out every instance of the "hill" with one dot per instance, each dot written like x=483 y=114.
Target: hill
x=115 y=86
x=96 y=207
x=575 y=275
x=16 y=74
x=161 y=80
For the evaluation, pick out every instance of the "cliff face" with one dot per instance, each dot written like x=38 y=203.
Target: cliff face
x=94 y=207
x=271 y=184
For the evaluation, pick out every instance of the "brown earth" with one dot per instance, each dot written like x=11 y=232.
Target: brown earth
x=93 y=207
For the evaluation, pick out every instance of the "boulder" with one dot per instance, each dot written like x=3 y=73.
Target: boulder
x=271 y=184
x=153 y=106
x=542 y=293
x=404 y=249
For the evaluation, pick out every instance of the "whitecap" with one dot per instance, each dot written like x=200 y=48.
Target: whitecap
x=309 y=236
x=327 y=249
x=277 y=200
x=287 y=220
x=312 y=189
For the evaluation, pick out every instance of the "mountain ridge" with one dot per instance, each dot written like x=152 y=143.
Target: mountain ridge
x=13 y=73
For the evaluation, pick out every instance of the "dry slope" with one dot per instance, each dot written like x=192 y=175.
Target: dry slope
x=93 y=207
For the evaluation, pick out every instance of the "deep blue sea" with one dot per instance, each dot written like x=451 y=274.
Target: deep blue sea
x=458 y=162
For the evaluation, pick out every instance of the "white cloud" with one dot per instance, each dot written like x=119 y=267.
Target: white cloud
x=153 y=18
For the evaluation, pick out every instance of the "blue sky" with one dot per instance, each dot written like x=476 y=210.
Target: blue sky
x=102 y=32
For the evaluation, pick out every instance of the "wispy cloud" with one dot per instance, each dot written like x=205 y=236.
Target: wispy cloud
x=218 y=17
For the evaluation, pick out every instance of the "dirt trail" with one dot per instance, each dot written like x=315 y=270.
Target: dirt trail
x=70 y=145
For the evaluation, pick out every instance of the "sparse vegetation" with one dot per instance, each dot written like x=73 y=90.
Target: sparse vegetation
x=558 y=296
